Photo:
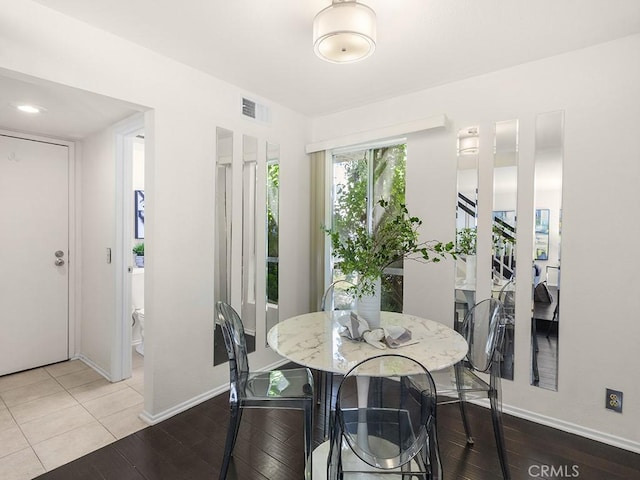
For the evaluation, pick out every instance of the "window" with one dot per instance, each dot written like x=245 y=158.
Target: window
x=273 y=223
x=359 y=179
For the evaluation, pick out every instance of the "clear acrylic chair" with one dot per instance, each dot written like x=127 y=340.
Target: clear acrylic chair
x=483 y=328
x=327 y=302
x=287 y=389
x=507 y=296
x=324 y=385
x=385 y=422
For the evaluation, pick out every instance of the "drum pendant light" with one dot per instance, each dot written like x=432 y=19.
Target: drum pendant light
x=344 y=32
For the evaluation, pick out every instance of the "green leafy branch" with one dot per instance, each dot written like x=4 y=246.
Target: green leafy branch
x=466 y=240
x=394 y=237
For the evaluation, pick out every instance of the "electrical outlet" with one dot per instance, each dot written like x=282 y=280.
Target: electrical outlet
x=613 y=400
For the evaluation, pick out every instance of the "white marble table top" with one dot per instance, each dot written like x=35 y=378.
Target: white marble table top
x=314 y=340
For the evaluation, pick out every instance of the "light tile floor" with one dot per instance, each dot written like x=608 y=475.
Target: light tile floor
x=52 y=415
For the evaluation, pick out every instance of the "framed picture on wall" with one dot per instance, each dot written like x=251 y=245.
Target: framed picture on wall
x=542 y=235
x=139 y=211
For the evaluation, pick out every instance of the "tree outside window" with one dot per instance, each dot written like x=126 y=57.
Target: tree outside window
x=360 y=179
x=273 y=230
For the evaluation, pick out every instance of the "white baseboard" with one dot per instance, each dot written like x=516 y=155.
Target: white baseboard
x=569 y=427
x=192 y=402
x=97 y=368
x=181 y=407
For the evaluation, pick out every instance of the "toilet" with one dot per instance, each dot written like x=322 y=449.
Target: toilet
x=137 y=305
x=138 y=316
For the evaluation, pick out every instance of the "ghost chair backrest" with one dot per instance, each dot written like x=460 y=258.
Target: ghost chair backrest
x=386 y=414
x=482 y=329
x=235 y=343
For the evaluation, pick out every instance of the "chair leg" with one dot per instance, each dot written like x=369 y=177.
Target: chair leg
x=465 y=421
x=334 y=457
x=534 y=353
x=555 y=314
x=232 y=434
x=462 y=404
x=435 y=462
x=308 y=433
x=553 y=320
x=319 y=388
x=328 y=403
x=499 y=434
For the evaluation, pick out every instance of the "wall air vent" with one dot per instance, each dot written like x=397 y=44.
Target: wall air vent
x=255 y=110
x=248 y=108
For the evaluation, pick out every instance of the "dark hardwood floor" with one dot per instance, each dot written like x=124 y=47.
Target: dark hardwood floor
x=189 y=446
x=548 y=360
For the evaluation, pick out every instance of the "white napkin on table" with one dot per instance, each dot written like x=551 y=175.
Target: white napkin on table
x=392 y=336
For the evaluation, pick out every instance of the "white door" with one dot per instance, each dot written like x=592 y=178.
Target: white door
x=34 y=239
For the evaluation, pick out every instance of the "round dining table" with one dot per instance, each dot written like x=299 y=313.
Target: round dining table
x=314 y=340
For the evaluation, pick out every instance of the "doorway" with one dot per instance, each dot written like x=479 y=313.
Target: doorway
x=35 y=252
x=137 y=244
x=95 y=124
x=129 y=233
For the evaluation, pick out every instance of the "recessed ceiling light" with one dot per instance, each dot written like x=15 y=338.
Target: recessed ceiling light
x=30 y=108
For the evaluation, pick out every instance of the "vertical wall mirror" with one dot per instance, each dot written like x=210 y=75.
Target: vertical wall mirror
x=248 y=311
x=546 y=252
x=505 y=200
x=466 y=221
x=222 y=233
x=272 y=233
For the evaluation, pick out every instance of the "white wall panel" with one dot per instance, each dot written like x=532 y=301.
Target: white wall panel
x=598 y=90
x=180 y=142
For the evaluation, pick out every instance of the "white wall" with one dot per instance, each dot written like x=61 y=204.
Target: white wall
x=597 y=88
x=138 y=164
x=97 y=186
x=599 y=331
x=187 y=105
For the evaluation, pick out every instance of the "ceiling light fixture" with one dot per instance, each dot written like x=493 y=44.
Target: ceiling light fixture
x=344 y=32
x=30 y=108
x=468 y=141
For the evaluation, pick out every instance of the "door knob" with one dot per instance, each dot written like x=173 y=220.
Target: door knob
x=59 y=254
x=59 y=262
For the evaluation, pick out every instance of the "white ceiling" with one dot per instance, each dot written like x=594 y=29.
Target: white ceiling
x=265 y=48
x=69 y=113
